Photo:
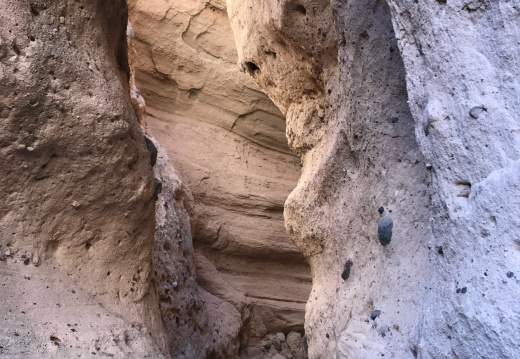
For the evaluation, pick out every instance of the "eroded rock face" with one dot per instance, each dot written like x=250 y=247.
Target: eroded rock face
x=77 y=185
x=463 y=84
x=197 y=323
x=362 y=150
x=226 y=140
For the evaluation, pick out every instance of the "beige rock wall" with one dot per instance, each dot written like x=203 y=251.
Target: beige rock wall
x=77 y=185
x=226 y=140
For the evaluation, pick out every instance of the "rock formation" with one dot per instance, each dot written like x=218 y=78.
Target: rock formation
x=394 y=124
x=226 y=140
x=432 y=172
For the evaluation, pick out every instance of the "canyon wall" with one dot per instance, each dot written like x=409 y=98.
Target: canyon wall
x=77 y=186
x=427 y=140
x=226 y=140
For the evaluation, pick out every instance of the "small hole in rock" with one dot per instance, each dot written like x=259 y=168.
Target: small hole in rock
x=301 y=9
x=251 y=67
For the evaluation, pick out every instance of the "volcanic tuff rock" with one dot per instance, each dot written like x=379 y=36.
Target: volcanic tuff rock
x=77 y=185
x=442 y=158
x=226 y=140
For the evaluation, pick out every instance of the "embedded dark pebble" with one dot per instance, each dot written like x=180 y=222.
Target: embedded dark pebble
x=458 y=290
x=26 y=260
x=346 y=269
x=267 y=346
x=327 y=335
x=384 y=230
x=381 y=209
x=464 y=290
x=375 y=314
x=439 y=250
x=157 y=188
x=153 y=151
x=510 y=274
x=394 y=119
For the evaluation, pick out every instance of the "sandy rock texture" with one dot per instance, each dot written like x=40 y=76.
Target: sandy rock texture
x=429 y=142
x=198 y=324
x=226 y=141
x=50 y=317
x=77 y=185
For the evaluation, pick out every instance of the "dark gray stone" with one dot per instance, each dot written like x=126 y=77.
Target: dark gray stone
x=375 y=314
x=153 y=151
x=384 y=230
x=346 y=269
x=381 y=209
x=157 y=188
x=510 y=274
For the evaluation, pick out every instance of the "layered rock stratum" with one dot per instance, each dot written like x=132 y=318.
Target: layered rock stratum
x=227 y=141
x=320 y=179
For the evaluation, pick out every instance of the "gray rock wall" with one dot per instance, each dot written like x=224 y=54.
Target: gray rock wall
x=418 y=116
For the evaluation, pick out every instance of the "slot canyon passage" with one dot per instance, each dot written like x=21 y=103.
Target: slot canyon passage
x=260 y=179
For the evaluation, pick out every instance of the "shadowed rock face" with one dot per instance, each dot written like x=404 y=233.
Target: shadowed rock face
x=351 y=122
x=77 y=185
x=227 y=142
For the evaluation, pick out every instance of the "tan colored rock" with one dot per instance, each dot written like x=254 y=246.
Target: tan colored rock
x=226 y=140
x=77 y=185
x=197 y=323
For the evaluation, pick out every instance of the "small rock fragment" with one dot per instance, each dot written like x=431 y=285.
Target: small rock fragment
x=267 y=346
x=375 y=314
x=384 y=230
x=327 y=335
x=383 y=330
x=381 y=209
x=346 y=269
x=439 y=250
x=62 y=20
x=157 y=188
x=153 y=151
x=394 y=119
x=281 y=336
x=510 y=274
x=277 y=344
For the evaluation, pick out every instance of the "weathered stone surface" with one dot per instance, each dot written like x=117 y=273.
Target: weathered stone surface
x=77 y=185
x=196 y=322
x=461 y=143
x=227 y=142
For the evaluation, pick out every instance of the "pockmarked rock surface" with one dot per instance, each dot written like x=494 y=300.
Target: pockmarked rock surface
x=226 y=140
x=417 y=115
x=77 y=185
x=50 y=317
